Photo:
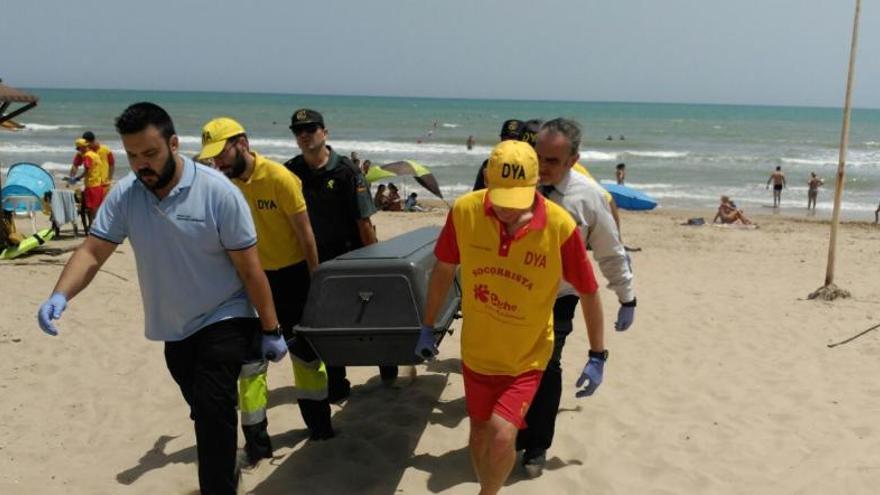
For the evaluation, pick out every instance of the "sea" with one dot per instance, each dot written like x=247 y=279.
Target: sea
x=683 y=155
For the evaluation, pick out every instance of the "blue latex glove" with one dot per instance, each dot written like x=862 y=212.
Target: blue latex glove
x=625 y=317
x=593 y=372
x=273 y=347
x=51 y=310
x=426 y=347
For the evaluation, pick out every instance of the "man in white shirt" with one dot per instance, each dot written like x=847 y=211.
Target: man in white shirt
x=557 y=147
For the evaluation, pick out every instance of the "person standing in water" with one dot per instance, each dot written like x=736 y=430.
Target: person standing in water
x=778 y=180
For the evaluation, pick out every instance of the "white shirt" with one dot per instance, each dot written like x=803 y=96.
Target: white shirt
x=584 y=199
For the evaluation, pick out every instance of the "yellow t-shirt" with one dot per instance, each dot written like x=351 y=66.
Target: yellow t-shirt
x=509 y=284
x=96 y=169
x=274 y=194
x=586 y=173
x=106 y=156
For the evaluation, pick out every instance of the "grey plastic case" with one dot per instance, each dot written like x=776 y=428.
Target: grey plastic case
x=365 y=307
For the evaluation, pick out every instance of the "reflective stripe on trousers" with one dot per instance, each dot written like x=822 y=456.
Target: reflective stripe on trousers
x=310 y=382
x=253 y=392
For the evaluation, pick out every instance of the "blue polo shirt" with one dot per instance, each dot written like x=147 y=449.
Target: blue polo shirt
x=180 y=245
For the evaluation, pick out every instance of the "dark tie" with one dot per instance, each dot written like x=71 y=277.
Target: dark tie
x=546 y=190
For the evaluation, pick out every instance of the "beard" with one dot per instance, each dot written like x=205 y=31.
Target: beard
x=238 y=166
x=163 y=178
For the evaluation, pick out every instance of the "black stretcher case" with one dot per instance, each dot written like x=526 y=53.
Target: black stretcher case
x=365 y=307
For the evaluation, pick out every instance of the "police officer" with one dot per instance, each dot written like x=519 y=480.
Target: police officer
x=339 y=206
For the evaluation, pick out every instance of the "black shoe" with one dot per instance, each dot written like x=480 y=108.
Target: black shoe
x=319 y=435
x=533 y=461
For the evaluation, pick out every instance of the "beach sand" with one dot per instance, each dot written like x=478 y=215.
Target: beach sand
x=724 y=385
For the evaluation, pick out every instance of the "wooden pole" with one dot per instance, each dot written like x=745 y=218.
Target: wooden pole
x=844 y=140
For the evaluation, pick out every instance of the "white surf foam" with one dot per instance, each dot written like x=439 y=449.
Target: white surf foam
x=657 y=154
x=26 y=147
x=32 y=126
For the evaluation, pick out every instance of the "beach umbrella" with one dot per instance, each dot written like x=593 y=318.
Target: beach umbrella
x=419 y=172
x=8 y=96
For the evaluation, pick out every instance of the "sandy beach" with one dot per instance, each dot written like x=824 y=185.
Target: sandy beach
x=724 y=385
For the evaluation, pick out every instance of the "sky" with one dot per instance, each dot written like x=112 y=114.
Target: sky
x=767 y=52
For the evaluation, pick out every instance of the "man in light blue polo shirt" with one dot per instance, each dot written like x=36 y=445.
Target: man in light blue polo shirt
x=200 y=277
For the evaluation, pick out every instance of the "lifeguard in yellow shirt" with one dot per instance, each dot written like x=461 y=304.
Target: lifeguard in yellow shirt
x=513 y=247
x=94 y=176
x=288 y=254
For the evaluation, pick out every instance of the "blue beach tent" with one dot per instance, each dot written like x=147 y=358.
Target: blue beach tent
x=25 y=179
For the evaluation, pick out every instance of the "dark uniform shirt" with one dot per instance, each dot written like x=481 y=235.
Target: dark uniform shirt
x=337 y=197
x=480 y=183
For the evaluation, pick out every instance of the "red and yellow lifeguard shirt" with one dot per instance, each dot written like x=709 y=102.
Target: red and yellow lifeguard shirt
x=107 y=157
x=509 y=283
x=274 y=194
x=96 y=169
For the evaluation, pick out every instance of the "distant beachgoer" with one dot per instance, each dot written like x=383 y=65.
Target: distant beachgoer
x=365 y=167
x=609 y=138
x=813 y=184
x=507 y=334
x=106 y=155
x=394 y=201
x=354 y=157
x=877 y=214
x=620 y=173
x=510 y=129
x=470 y=142
x=729 y=213
x=380 y=200
x=778 y=180
x=412 y=203
x=622 y=138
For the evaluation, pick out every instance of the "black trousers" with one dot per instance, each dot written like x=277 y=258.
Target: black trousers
x=290 y=289
x=206 y=366
x=541 y=417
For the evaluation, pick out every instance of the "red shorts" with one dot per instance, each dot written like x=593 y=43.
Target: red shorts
x=93 y=197
x=505 y=395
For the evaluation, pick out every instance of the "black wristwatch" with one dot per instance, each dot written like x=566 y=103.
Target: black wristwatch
x=600 y=355
x=275 y=332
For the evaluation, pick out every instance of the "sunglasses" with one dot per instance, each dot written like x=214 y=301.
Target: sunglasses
x=305 y=129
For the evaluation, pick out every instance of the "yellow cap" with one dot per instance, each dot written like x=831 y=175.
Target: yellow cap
x=214 y=136
x=80 y=143
x=512 y=175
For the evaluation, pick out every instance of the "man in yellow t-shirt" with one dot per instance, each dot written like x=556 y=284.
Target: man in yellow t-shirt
x=106 y=156
x=94 y=174
x=288 y=255
x=513 y=247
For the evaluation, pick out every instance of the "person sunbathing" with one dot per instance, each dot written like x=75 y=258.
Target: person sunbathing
x=729 y=213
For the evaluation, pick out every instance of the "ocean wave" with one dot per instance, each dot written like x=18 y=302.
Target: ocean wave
x=30 y=126
x=56 y=167
x=855 y=160
x=450 y=126
x=25 y=147
x=647 y=186
x=598 y=156
x=363 y=147
x=657 y=154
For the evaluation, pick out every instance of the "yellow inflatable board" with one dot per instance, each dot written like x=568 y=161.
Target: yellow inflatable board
x=27 y=244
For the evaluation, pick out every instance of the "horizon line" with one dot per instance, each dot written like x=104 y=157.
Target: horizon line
x=273 y=93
